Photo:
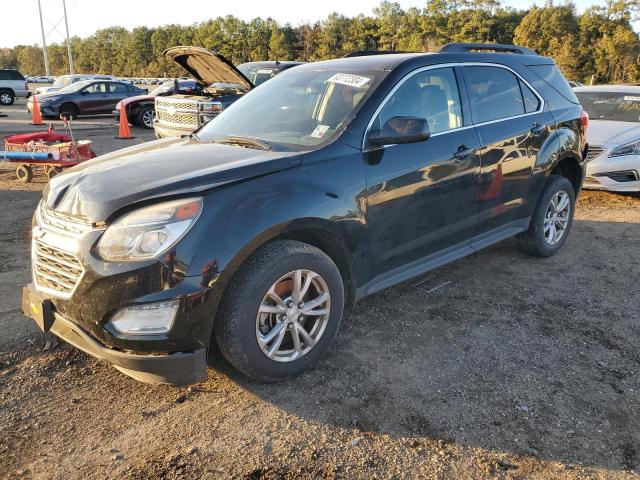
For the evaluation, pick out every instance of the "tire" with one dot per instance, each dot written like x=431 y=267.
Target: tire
x=69 y=111
x=145 y=117
x=24 y=173
x=539 y=240
x=52 y=172
x=238 y=323
x=7 y=98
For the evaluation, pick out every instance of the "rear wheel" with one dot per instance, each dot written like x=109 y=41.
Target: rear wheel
x=69 y=111
x=24 y=173
x=281 y=311
x=6 y=98
x=145 y=117
x=551 y=220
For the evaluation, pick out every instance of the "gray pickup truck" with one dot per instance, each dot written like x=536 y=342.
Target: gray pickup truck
x=220 y=84
x=12 y=85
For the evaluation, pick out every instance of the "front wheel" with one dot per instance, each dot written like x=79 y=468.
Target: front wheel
x=68 y=111
x=551 y=220
x=281 y=311
x=145 y=117
x=6 y=98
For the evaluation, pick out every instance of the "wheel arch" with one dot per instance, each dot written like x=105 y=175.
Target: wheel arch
x=569 y=166
x=8 y=90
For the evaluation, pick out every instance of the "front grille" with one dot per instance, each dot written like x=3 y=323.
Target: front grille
x=181 y=118
x=178 y=105
x=62 y=222
x=55 y=271
x=594 y=152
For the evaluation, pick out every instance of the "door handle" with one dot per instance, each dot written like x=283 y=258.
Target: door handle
x=538 y=128
x=463 y=152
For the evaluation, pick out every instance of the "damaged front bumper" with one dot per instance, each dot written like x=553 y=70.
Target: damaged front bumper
x=178 y=368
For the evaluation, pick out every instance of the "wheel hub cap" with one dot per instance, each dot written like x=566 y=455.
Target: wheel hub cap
x=293 y=315
x=557 y=217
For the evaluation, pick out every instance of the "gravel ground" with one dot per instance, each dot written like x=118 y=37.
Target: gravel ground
x=496 y=366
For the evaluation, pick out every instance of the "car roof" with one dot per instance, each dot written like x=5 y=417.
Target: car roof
x=273 y=63
x=391 y=61
x=609 y=88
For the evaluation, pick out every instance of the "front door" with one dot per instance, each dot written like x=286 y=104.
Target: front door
x=95 y=97
x=422 y=197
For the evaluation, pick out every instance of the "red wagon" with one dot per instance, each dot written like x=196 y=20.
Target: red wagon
x=63 y=152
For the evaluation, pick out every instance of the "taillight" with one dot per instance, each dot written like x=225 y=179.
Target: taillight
x=584 y=120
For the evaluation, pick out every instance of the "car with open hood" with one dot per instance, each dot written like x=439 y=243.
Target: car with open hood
x=324 y=185
x=220 y=84
x=614 y=137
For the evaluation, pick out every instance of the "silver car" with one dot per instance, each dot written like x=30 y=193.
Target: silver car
x=613 y=136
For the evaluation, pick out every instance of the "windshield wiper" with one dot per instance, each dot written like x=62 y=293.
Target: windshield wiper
x=248 y=142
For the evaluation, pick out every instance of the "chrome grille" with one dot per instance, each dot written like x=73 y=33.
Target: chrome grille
x=55 y=271
x=61 y=222
x=594 y=152
x=178 y=105
x=182 y=118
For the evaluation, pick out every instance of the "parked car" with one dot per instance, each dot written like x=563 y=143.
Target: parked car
x=330 y=182
x=573 y=84
x=614 y=137
x=12 y=85
x=86 y=97
x=66 y=80
x=260 y=72
x=221 y=84
x=141 y=109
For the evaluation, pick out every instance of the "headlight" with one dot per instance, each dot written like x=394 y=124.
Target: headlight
x=214 y=107
x=629 y=149
x=150 y=231
x=118 y=105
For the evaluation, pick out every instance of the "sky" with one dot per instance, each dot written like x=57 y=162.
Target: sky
x=87 y=16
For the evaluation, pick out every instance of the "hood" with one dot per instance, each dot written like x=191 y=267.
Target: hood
x=135 y=99
x=206 y=66
x=46 y=89
x=610 y=133
x=97 y=188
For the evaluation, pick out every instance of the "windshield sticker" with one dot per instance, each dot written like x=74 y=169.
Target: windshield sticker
x=319 y=131
x=632 y=99
x=349 y=80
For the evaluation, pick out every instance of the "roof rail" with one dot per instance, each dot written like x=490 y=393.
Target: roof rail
x=489 y=47
x=366 y=53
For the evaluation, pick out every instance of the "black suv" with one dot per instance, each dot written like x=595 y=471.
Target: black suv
x=326 y=184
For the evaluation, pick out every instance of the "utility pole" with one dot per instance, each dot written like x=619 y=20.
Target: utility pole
x=66 y=24
x=44 y=42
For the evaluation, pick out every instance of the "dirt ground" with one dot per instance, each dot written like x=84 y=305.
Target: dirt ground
x=496 y=366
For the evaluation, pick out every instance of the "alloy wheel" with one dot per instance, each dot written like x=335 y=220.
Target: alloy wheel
x=147 y=118
x=293 y=315
x=5 y=99
x=556 y=218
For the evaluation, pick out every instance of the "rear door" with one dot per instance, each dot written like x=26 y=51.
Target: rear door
x=117 y=92
x=513 y=125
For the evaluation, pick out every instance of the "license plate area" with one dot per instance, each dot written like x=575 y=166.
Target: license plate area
x=38 y=308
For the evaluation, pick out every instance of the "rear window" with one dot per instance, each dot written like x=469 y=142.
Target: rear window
x=494 y=93
x=616 y=106
x=10 y=75
x=550 y=74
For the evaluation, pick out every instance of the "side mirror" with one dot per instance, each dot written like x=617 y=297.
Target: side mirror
x=399 y=130
x=83 y=92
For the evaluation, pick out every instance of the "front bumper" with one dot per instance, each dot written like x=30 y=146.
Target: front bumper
x=163 y=131
x=615 y=174
x=180 y=368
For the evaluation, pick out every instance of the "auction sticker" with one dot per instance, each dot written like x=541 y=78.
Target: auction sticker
x=319 y=131
x=349 y=79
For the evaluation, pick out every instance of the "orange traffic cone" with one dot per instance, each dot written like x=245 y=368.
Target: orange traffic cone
x=124 y=132
x=36 y=118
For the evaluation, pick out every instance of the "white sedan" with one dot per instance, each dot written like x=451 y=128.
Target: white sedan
x=613 y=162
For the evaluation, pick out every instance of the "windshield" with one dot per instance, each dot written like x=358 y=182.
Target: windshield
x=618 y=106
x=74 y=87
x=258 y=74
x=299 y=109
x=62 y=82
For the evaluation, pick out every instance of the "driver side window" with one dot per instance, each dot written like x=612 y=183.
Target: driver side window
x=430 y=94
x=96 y=88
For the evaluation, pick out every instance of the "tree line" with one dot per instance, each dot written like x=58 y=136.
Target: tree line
x=600 y=42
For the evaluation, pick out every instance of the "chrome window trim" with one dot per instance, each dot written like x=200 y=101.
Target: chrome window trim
x=452 y=65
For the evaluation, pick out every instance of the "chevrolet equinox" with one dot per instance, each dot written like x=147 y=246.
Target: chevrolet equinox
x=328 y=183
